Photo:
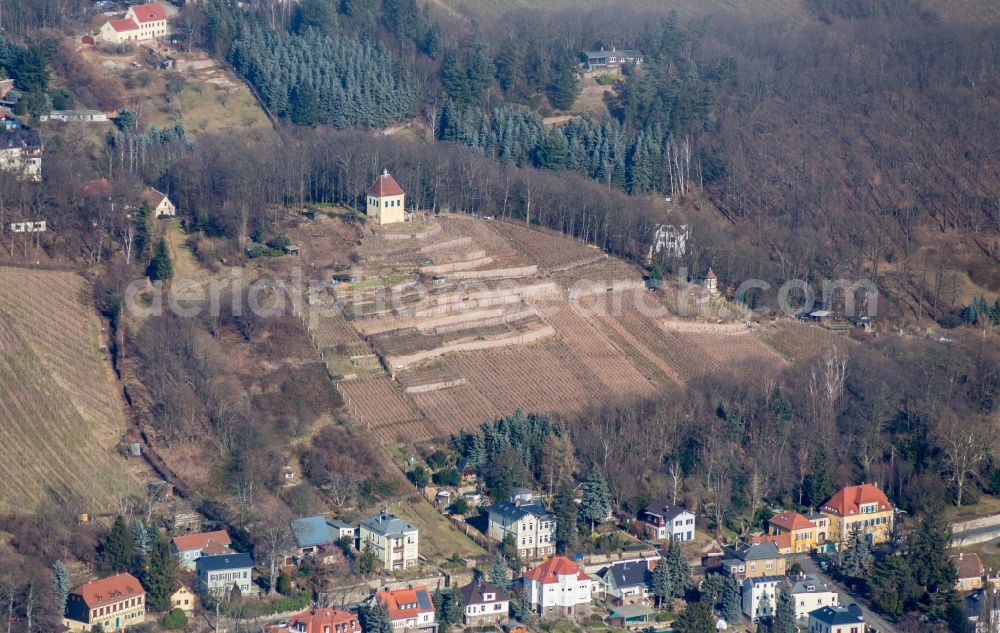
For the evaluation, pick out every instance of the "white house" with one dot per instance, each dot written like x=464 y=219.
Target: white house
x=396 y=542
x=558 y=587
x=217 y=575
x=485 y=605
x=159 y=203
x=664 y=521
x=760 y=596
x=21 y=152
x=810 y=594
x=627 y=582
x=528 y=523
x=141 y=23
x=837 y=620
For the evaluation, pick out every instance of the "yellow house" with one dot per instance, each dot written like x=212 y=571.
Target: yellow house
x=115 y=603
x=386 y=200
x=183 y=599
x=864 y=508
x=804 y=531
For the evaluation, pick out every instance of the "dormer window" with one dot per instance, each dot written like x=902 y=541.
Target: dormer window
x=489 y=596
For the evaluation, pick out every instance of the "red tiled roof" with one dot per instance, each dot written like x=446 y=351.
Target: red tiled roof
x=549 y=571
x=404 y=603
x=202 y=540
x=781 y=541
x=315 y=620
x=385 y=185
x=152 y=12
x=123 y=25
x=790 y=520
x=848 y=500
x=710 y=275
x=968 y=565
x=109 y=590
x=99 y=188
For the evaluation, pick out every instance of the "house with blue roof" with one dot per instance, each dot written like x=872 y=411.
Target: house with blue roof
x=627 y=582
x=847 y=619
x=315 y=536
x=217 y=575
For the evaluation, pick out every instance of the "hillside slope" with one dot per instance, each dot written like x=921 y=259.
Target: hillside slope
x=59 y=416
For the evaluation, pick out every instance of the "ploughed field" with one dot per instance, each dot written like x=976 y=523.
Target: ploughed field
x=452 y=321
x=60 y=416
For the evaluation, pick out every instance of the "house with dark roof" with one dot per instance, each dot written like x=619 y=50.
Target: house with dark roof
x=810 y=593
x=663 y=521
x=484 y=604
x=864 y=508
x=112 y=603
x=837 y=620
x=982 y=608
x=21 y=152
x=611 y=59
x=745 y=560
x=531 y=526
x=217 y=575
x=558 y=587
x=627 y=582
x=395 y=541
x=410 y=609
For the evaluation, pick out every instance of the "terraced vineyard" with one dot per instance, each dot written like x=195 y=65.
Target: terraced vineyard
x=56 y=397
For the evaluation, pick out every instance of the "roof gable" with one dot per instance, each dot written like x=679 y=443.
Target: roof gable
x=110 y=589
x=790 y=520
x=202 y=540
x=385 y=185
x=848 y=500
x=123 y=25
x=404 y=603
x=152 y=12
x=473 y=593
x=315 y=619
x=550 y=571
x=224 y=561
x=312 y=531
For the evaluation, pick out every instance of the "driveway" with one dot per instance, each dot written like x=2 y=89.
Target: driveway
x=873 y=619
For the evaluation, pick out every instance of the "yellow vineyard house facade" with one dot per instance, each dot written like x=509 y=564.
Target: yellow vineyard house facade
x=864 y=508
x=386 y=200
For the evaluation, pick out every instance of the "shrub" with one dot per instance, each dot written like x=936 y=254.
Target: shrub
x=605 y=80
x=175 y=620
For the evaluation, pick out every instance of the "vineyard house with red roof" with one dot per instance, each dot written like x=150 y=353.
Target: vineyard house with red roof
x=558 y=587
x=142 y=22
x=114 y=603
x=386 y=200
x=864 y=508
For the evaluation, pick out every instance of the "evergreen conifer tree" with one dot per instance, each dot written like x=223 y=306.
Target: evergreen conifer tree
x=161 y=268
x=678 y=568
x=161 y=575
x=117 y=549
x=596 y=503
x=367 y=560
x=60 y=585
x=732 y=611
x=819 y=481
x=856 y=557
x=662 y=587
x=696 y=618
x=784 y=611
x=499 y=575
x=567 y=515
x=375 y=617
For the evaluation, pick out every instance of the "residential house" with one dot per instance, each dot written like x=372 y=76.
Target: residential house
x=745 y=560
x=410 y=609
x=662 y=521
x=312 y=534
x=396 y=542
x=21 y=152
x=810 y=594
x=803 y=530
x=217 y=575
x=78 y=116
x=386 y=200
x=183 y=598
x=970 y=571
x=864 y=508
x=341 y=529
x=113 y=603
x=837 y=620
x=142 y=22
x=983 y=609
x=759 y=596
x=558 y=587
x=528 y=523
x=190 y=547
x=782 y=541
x=324 y=621
x=611 y=59
x=627 y=582
x=159 y=203
x=484 y=604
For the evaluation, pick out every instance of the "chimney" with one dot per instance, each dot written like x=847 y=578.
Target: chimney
x=961 y=555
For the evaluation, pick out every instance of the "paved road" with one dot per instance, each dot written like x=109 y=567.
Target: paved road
x=873 y=619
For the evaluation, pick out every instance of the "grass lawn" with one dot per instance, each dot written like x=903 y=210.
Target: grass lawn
x=439 y=539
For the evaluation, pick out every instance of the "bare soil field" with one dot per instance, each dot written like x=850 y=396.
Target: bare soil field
x=57 y=397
